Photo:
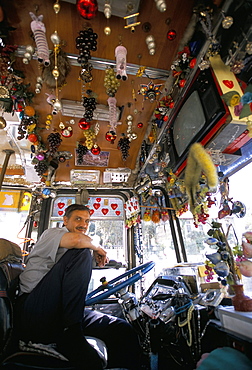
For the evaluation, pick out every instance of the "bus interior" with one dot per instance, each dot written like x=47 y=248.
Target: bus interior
x=141 y=110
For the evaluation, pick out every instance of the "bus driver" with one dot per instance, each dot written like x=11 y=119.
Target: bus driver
x=51 y=305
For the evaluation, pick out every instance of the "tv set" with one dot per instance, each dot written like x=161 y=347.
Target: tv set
x=201 y=116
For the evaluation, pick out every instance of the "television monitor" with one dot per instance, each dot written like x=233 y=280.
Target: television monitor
x=199 y=115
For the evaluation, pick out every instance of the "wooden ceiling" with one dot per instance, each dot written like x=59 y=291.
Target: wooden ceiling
x=68 y=22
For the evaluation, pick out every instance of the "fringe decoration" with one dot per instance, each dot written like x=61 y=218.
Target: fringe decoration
x=198 y=161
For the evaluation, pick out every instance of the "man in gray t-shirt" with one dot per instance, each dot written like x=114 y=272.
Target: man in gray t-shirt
x=53 y=288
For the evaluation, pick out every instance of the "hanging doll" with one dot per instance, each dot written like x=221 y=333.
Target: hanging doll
x=38 y=29
x=120 y=54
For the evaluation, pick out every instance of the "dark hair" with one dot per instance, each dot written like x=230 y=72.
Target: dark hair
x=75 y=207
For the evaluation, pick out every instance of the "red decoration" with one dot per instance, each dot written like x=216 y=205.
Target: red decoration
x=66 y=132
x=61 y=205
x=228 y=83
x=83 y=124
x=87 y=8
x=171 y=35
x=104 y=211
x=60 y=213
x=114 y=206
x=96 y=205
x=96 y=150
x=140 y=124
x=110 y=136
x=182 y=82
x=98 y=200
x=33 y=138
x=192 y=63
x=118 y=213
x=91 y=212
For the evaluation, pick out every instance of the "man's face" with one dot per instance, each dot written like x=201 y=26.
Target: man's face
x=78 y=221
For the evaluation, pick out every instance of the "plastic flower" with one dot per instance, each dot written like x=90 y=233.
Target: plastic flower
x=238 y=109
x=235 y=100
x=246 y=98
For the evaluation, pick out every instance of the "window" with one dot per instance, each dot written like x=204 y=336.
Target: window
x=107 y=229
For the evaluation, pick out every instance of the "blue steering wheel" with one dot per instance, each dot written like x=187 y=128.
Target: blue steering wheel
x=112 y=288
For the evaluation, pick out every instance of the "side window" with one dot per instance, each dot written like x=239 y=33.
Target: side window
x=14 y=210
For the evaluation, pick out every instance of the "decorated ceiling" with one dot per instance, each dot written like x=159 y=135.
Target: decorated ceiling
x=88 y=88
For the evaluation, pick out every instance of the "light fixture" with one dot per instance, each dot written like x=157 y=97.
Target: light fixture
x=75 y=109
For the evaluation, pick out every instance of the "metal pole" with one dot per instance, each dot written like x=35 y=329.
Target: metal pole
x=8 y=153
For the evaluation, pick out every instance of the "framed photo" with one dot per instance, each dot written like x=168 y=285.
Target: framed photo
x=89 y=159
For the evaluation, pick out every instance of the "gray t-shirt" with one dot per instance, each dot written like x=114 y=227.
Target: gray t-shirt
x=42 y=258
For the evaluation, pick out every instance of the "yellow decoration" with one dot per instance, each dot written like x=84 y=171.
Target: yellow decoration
x=198 y=161
x=140 y=71
x=31 y=128
x=29 y=111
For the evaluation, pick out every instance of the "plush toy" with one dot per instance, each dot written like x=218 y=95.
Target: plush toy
x=38 y=29
x=120 y=54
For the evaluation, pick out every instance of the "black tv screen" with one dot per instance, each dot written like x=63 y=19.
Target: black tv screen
x=197 y=117
x=190 y=120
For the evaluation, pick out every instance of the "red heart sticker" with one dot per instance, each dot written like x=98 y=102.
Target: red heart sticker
x=114 y=206
x=60 y=213
x=98 y=200
x=228 y=83
x=118 y=213
x=61 y=205
x=96 y=205
x=104 y=211
x=91 y=212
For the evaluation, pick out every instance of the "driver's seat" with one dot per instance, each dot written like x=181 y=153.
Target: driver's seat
x=31 y=357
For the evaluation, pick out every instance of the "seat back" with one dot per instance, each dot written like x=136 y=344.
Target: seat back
x=10 y=267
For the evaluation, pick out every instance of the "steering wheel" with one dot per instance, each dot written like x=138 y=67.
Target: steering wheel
x=111 y=287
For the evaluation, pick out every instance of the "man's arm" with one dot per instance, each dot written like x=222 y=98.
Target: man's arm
x=72 y=240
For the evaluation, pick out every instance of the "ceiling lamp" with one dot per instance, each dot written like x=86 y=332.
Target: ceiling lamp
x=87 y=8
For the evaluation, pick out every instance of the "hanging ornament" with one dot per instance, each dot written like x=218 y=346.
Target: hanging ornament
x=161 y=5
x=171 y=35
x=140 y=124
x=80 y=152
x=227 y=21
x=67 y=132
x=40 y=156
x=248 y=48
x=111 y=136
x=131 y=21
x=150 y=41
x=130 y=135
x=89 y=103
x=107 y=31
x=150 y=91
x=2 y=123
x=83 y=124
x=107 y=9
x=39 y=30
x=87 y=8
x=56 y=7
x=48 y=121
x=32 y=138
x=111 y=83
x=95 y=149
x=29 y=51
x=124 y=146
x=113 y=114
x=120 y=54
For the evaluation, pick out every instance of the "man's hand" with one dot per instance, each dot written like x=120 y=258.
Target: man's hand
x=100 y=257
